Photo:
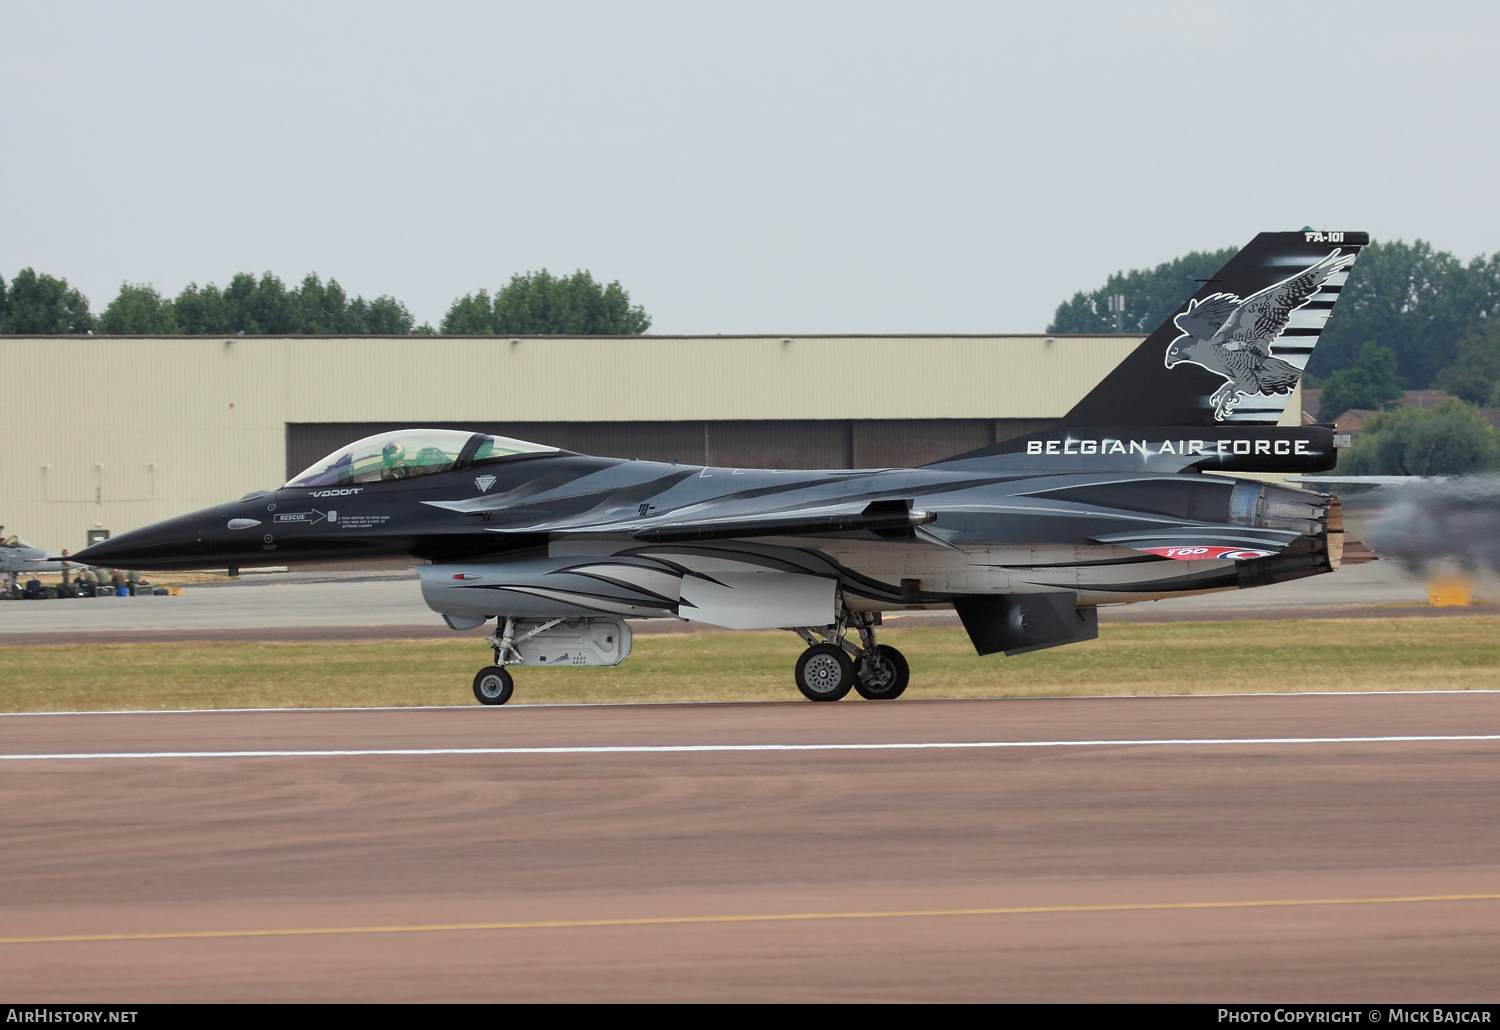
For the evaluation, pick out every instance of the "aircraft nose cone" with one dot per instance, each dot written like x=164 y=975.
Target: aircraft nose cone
x=173 y=543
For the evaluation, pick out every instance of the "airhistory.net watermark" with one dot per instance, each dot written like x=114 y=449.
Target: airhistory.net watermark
x=69 y=1014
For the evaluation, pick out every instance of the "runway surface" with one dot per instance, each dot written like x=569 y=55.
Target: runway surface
x=1269 y=848
x=303 y=606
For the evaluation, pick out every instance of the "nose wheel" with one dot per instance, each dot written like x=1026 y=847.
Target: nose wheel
x=493 y=685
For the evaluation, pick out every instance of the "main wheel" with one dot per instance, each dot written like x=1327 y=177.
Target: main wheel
x=884 y=677
x=824 y=673
x=493 y=685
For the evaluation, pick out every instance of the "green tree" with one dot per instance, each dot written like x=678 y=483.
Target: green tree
x=257 y=306
x=1449 y=440
x=540 y=303
x=383 y=316
x=247 y=305
x=473 y=314
x=1414 y=300
x=42 y=304
x=1369 y=383
x=202 y=312
x=1475 y=376
x=139 y=309
x=1151 y=295
x=316 y=309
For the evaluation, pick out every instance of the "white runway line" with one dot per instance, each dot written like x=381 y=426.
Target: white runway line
x=532 y=707
x=651 y=749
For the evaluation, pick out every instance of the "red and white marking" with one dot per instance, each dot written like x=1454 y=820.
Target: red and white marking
x=1208 y=552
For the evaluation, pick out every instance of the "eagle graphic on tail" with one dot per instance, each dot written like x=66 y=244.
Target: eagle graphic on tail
x=1233 y=337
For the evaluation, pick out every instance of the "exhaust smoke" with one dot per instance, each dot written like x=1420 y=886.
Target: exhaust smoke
x=1440 y=523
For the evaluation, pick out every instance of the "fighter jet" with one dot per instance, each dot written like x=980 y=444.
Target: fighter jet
x=1132 y=496
x=17 y=556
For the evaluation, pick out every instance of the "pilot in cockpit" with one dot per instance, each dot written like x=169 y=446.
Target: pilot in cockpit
x=391 y=456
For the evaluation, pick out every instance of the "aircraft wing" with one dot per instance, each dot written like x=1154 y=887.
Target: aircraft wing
x=1204 y=543
x=881 y=517
x=887 y=517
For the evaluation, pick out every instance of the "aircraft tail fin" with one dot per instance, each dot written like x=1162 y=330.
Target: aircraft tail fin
x=1234 y=351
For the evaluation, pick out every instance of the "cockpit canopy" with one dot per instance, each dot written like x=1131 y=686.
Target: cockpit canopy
x=407 y=453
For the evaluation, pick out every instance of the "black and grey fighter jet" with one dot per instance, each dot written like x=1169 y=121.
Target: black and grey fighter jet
x=1131 y=496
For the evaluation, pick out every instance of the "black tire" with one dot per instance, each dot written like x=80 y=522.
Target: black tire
x=493 y=685
x=824 y=673
x=886 y=682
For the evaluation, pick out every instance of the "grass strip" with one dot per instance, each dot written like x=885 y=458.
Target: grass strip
x=1171 y=658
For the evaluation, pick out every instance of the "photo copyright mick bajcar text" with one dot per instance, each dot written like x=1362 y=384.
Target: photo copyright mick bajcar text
x=1397 y=1014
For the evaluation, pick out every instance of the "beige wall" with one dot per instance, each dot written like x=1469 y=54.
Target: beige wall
x=121 y=432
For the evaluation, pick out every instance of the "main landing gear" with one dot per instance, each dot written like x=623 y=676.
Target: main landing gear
x=829 y=669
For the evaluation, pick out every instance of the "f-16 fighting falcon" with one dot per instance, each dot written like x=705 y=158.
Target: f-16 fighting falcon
x=1132 y=496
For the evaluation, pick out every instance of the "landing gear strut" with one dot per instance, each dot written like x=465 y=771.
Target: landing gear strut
x=493 y=685
x=828 y=669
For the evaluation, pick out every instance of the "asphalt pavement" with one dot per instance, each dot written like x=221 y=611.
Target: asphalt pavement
x=1279 y=848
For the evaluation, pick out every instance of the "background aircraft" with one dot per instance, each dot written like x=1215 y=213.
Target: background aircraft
x=1025 y=538
x=17 y=556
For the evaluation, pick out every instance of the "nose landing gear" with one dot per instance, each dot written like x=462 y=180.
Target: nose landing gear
x=829 y=669
x=493 y=685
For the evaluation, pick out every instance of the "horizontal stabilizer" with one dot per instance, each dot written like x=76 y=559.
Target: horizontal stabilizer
x=1204 y=543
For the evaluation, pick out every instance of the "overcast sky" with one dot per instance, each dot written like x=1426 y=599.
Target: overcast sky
x=752 y=167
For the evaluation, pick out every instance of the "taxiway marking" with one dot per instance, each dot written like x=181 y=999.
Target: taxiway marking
x=776 y=917
x=639 y=749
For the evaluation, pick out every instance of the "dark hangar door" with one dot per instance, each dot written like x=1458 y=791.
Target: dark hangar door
x=770 y=443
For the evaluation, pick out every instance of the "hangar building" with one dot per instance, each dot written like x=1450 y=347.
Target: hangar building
x=112 y=433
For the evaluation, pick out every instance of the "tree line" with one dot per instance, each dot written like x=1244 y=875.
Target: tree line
x=574 y=305
x=1450 y=440
x=536 y=303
